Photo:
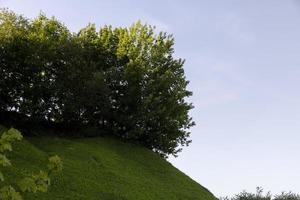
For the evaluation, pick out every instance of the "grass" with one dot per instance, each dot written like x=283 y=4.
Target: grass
x=102 y=169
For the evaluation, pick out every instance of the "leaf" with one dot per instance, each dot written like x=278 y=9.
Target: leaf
x=12 y=135
x=36 y=183
x=27 y=185
x=9 y=193
x=55 y=164
x=42 y=181
x=8 y=137
x=4 y=161
x=5 y=146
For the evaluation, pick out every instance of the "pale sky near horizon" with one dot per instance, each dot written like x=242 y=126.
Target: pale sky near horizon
x=243 y=63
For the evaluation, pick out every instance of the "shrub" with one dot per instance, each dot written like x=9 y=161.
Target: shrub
x=259 y=195
x=287 y=196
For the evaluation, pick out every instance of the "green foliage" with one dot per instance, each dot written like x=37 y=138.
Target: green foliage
x=287 y=196
x=6 y=139
x=55 y=164
x=122 y=80
x=9 y=193
x=34 y=183
x=259 y=195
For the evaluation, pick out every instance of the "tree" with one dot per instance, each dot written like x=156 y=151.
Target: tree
x=149 y=94
x=122 y=80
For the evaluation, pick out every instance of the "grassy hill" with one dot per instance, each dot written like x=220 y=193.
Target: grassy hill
x=103 y=169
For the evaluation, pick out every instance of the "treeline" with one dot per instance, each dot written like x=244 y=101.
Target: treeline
x=122 y=80
x=260 y=195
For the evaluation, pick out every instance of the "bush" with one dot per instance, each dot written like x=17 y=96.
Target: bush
x=287 y=196
x=259 y=195
x=124 y=81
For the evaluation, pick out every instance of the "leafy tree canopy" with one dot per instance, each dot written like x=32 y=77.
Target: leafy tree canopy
x=122 y=80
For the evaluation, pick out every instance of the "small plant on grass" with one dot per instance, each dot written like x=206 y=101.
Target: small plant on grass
x=34 y=183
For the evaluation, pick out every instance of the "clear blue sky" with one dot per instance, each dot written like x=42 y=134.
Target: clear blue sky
x=243 y=61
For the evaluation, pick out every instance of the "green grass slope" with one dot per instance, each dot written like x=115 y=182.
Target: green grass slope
x=102 y=169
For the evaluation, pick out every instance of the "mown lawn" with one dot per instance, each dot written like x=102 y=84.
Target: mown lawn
x=102 y=169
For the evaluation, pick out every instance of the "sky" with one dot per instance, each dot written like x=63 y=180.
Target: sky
x=243 y=63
